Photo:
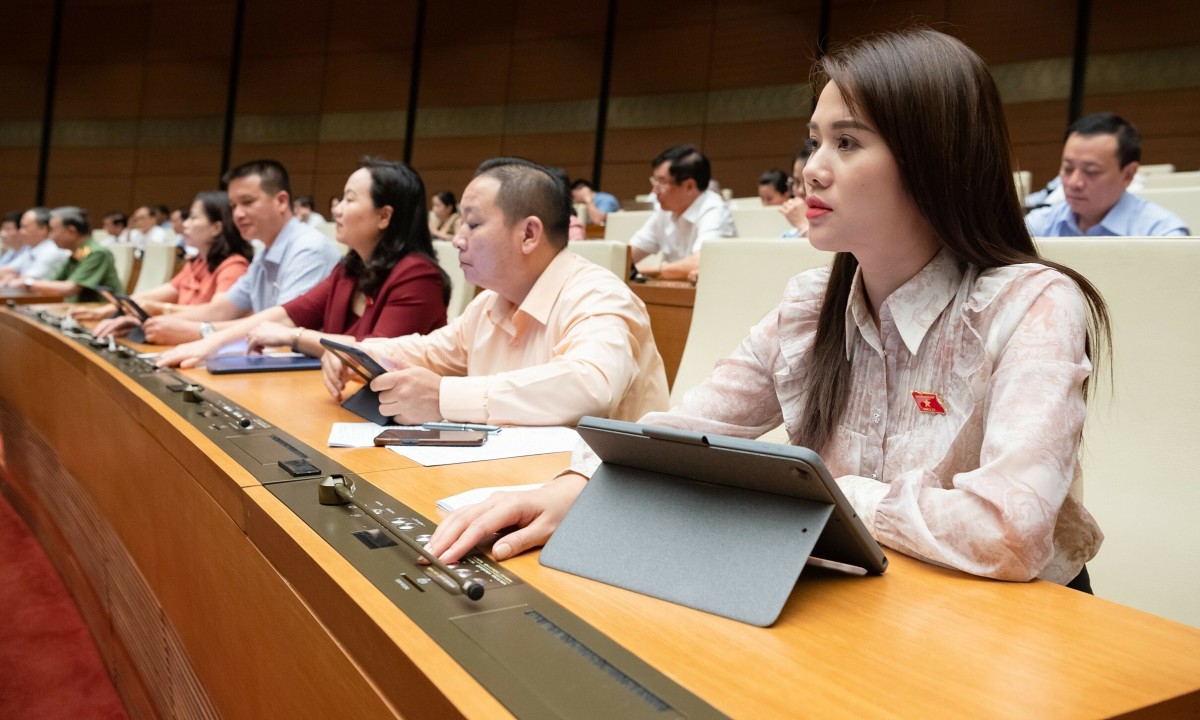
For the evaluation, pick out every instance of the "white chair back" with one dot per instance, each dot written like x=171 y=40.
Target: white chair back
x=1140 y=451
x=1183 y=201
x=1156 y=169
x=461 y=291
x=612 y=254
x=329 y=230
x=741 y=280
x=1024 y=182
x=622 y=225
x=1154 y=181
x=158 y=266
x=123 y=258
x=759 y=222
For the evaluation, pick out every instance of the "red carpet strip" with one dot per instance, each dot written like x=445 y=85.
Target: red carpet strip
x=49 y=665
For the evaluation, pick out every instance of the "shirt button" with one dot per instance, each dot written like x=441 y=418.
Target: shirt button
x=874 y=476
x=875 y=417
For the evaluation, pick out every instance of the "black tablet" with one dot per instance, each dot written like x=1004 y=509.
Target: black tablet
x=358 y=360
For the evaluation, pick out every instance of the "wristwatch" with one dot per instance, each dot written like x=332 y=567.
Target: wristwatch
x=206 y=329
x=29 y=283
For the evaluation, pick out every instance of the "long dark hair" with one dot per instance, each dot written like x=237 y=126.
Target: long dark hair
x=230 y=241
x=399 y=186
x=936 y=106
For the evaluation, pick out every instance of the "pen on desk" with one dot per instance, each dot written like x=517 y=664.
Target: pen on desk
x=460 y=426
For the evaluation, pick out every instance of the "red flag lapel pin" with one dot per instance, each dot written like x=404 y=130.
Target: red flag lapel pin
x=928 y=402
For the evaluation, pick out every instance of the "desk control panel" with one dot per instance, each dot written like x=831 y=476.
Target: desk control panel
x=536 y=657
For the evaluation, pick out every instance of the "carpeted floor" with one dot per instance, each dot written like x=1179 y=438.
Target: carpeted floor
x=49 y=665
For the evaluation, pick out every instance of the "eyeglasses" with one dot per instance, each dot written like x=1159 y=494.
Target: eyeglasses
x=794 y=182
x=657 y=183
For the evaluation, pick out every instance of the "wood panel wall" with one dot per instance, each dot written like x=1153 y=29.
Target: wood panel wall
x=139 y=107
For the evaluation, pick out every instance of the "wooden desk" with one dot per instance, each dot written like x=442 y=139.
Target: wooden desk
x=669 y=303
x=24 y=296
x=208 y=597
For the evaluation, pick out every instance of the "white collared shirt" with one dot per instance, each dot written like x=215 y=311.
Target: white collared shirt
x=676 y=238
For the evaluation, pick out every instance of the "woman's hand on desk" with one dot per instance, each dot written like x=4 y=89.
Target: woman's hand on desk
x=187 y=355
x=92 y=312
x=269 y=334
x=169 y=330
x=115 y=326
x=536 y=513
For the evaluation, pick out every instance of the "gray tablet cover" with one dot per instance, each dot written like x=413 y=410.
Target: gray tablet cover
x=719 y=524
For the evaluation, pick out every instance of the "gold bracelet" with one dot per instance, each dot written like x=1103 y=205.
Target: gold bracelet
x=296 y=339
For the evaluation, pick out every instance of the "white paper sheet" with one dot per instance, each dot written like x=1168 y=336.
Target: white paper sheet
x=477 y=495
x=360 y=434
x=509 y=442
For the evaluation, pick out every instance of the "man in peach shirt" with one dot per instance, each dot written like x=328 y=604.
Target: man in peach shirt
x=553 y=338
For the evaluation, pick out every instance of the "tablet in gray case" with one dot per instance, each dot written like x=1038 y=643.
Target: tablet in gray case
x=719 y=524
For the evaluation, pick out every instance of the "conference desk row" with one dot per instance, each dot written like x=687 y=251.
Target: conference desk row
x=210 y=597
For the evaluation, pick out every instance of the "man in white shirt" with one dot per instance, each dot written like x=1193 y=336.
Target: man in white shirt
x=41 y=257
x=145 y=230
x=688 y=214
x=303 y=208
x=115 y=229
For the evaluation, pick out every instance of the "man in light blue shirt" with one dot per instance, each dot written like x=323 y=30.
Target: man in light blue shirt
x=599 y=204
x=1100 y=157
x=295 y=256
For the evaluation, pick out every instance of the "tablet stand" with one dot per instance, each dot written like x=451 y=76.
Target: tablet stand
x=718 y=524
x=365 y=404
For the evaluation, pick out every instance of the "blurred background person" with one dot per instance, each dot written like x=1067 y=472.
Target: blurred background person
x=773 y=187
x=388 y=285
x=443 y=216
x=302 y=207
x=222 y=256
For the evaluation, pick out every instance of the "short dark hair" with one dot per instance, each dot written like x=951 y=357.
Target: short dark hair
x=447 y=199
x=526 y=189
x=13 y=217
x=687 y=163
x=118 y=218
x=74 y=217
x=1129 y=142
x=581 y=183
x=777 y=179
x=304 y=201
x=271 y=174
x=41 y=215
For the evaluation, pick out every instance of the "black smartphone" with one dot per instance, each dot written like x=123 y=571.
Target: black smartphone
x=451 y=438
x=358 y=361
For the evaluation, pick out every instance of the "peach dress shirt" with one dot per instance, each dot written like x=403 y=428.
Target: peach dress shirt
x=578 y=344
x=960 y=440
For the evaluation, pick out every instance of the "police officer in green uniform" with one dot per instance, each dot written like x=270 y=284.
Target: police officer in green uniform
x=90 y=265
